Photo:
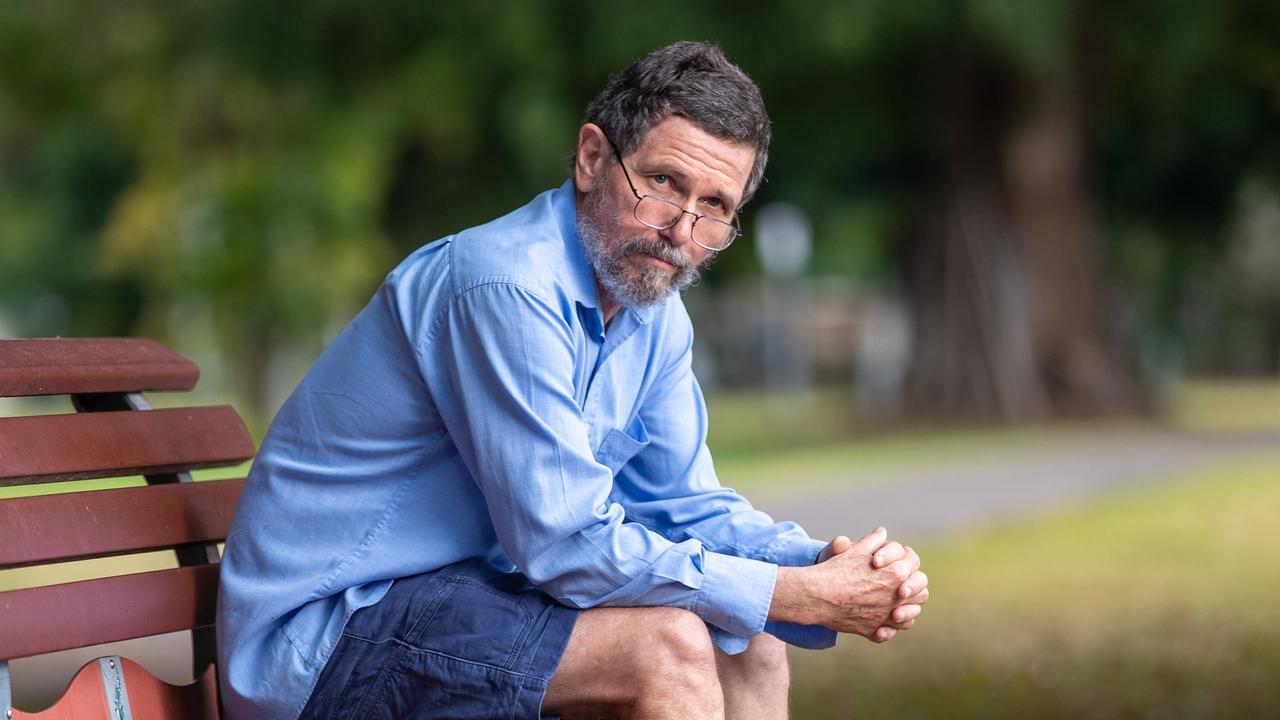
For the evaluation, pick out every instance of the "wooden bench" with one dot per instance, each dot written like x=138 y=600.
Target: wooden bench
x=113 y=433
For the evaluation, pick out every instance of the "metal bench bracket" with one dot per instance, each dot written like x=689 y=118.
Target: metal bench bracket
x=113 y=686
x=6 y=692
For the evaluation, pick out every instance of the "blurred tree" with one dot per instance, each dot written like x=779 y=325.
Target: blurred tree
x=247 y=172
x=1004 y=271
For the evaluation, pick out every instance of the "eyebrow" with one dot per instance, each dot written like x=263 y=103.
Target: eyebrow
x=662 y=168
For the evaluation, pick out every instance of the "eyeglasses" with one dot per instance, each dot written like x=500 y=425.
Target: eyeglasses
x=660 y=214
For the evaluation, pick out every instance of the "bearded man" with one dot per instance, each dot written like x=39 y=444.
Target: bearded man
x=492 y=495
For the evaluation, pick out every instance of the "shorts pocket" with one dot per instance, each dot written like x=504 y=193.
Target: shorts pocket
x=474 y=623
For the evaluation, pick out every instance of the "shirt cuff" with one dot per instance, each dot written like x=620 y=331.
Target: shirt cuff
x=736 y=593
x=797 y=552
x=729 y=643
x=813 y=637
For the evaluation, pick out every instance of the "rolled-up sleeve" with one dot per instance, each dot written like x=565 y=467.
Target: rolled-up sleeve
x=499 y=363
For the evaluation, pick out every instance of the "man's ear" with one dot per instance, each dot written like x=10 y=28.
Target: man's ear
x=592 y=159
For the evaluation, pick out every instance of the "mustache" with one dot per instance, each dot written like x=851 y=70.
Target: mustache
x=657 y=248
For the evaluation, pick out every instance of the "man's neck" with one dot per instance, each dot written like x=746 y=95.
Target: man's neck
x=608 y=306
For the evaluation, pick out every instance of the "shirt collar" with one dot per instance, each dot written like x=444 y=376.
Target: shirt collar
x=581 y=278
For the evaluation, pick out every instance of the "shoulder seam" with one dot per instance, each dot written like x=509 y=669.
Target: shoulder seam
x=476 y=284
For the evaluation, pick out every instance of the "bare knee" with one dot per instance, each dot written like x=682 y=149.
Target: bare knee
x=766 y=660
x=679 y=659
x=681 y=637
x=646 y=663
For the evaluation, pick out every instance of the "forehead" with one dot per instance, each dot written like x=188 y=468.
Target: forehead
x=706 y=161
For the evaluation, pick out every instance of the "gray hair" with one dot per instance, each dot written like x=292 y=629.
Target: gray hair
x=695 y=81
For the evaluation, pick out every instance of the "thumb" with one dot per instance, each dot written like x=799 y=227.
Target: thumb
x=871 y=541
x=840 y=544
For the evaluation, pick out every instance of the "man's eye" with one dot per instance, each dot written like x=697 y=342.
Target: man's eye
x=661 y=180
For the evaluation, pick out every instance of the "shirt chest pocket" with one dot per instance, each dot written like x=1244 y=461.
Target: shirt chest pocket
x=619 y=446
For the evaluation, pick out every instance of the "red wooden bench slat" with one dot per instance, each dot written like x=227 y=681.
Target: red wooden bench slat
x=60 y=366
x=52 y=448
x=97 y=523
x=90 y=612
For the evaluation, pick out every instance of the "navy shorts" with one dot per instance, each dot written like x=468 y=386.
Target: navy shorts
x=464 y=642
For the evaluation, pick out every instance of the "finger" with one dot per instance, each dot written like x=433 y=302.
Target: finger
x=907 y=625
x=897 y=574
x=841 y=544
x=911 y=555
x=919 y=598
x=892 y=551
x=884 y=633
x=914 y=583
x=904 y=613
x=872 y=540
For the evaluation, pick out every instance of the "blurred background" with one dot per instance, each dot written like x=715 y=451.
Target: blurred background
x=1011 y=288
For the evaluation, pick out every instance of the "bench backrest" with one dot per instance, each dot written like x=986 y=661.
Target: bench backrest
x=114 y=433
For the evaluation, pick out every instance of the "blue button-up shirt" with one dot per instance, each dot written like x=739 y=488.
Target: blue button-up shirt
x=480 y=407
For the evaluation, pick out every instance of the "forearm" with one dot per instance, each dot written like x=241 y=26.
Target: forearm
x=795 y=597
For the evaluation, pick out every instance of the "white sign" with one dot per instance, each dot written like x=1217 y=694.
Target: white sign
x=783 y=239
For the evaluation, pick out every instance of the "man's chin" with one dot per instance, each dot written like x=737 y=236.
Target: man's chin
x=641 y=295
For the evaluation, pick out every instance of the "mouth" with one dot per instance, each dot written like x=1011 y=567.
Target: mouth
x=658 y=262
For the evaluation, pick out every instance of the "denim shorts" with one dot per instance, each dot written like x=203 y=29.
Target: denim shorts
x=464 y=642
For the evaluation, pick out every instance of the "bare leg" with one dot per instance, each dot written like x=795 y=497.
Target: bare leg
x=757 y=682
x=637 y=664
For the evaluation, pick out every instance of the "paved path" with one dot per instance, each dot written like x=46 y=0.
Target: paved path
x=971 y=492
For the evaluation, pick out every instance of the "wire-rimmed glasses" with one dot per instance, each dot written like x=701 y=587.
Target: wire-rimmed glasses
x=660 y=214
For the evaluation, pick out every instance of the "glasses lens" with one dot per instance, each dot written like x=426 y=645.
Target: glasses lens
x=661 y=214
x=657 y=213
x=713 y=234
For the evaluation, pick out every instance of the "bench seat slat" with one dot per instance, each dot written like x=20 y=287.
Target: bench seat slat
x=61 y=366
x=90 y=612
x=53 y=448
x=98 y=523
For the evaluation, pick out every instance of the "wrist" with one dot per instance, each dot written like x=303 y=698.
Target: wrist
x=793 y=596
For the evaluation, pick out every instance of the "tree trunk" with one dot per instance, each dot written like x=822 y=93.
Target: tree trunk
x=1003 y=272
x=1045 y=176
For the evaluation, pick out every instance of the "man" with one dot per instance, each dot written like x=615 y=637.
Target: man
x=492 y=497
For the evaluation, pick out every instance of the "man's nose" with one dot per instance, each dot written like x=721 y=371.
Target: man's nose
x=681 y=233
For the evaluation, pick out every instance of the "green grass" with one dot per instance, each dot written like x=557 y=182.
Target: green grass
x=1154 y=604
x=1227 y=405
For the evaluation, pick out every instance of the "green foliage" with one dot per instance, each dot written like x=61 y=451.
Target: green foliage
x=249 y=171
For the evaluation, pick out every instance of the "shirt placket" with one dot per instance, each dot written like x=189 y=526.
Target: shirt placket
x=600 y=409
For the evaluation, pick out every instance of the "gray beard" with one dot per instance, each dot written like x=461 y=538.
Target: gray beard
x=626 y=282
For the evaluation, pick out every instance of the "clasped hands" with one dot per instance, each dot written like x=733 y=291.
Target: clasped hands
x=872 y=587
x=893 y=591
